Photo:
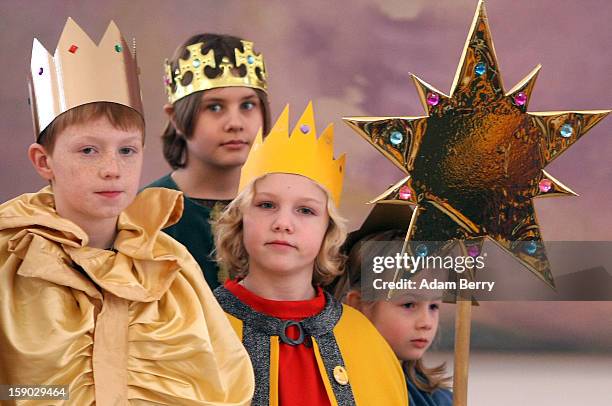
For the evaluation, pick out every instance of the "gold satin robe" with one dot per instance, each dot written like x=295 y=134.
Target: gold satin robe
x=137 y=326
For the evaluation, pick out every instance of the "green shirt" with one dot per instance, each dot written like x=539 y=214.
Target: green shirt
x=194 y=231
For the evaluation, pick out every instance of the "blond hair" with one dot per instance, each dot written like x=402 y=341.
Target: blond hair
x=233 y=258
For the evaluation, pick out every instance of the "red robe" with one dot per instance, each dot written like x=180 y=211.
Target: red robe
x=299 y=381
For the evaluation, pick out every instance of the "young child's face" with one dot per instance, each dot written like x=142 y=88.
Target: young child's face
x=226 y=126
x=409 y=326
x=95 y=170
x=285 y=224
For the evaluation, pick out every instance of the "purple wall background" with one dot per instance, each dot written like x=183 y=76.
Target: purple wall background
x=353 y=58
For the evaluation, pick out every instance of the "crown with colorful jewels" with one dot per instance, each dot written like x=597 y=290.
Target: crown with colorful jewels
x=301 y=153
x=81 y=72
x=190 y=76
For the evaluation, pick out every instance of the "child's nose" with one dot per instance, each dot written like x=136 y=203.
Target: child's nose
x=425 y=319
x=110 y=167
x=283 y=222
x=235 y=121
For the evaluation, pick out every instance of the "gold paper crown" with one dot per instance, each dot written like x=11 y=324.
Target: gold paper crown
x=82 y=72
x=176 y=88
x=301 y=154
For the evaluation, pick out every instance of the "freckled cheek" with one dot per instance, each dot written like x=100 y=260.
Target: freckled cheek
x=80 y=172
x=133 y=169
x=129 y=163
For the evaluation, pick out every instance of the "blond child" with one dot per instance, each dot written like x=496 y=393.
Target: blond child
x=93 y=296
x=280 y=239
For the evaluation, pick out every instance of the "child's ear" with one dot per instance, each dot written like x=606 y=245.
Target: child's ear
x=169 y=110
x=353 y=299
x=40 y=159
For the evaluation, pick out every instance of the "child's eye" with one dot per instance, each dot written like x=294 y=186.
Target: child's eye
x=265 y=205
x=215 y=107
x=127 y=151
x=306 y=210
x=434 y=306
x=409 y=305
x=88 y=150
x=248 y=105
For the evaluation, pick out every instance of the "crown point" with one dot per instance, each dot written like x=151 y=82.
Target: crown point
x=282 y=124
x=327 y=136
x=112 y=34
x=74 y=36
x=326 y=142
x=309 y=110
x=306 y=123
x=37 y=47
x=258 y=138
x=70 y=26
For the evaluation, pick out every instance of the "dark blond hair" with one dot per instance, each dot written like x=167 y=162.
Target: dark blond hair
x=119 y=116
x=231 y=253
x=426 y=379
x=186 y=109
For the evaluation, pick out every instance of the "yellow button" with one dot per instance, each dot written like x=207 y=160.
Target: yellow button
x=340 y=375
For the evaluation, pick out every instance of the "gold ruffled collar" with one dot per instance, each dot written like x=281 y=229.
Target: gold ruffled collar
x=141 y=267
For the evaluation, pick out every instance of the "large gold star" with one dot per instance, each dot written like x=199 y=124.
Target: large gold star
x=475 y=161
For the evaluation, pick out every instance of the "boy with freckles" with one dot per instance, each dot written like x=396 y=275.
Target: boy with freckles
x=93 y=296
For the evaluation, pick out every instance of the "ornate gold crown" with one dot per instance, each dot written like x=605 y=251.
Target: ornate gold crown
x=82 y=72
x=301 y=154
x=190 y=77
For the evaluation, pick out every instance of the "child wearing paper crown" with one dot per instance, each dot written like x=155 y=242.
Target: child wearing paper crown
x=280 y=239
x=93 y=295
x=408 y=322
x=217 y=102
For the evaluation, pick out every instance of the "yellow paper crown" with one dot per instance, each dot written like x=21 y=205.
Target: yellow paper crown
x=190 y=77
x=301 y=154
x=82 y=72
